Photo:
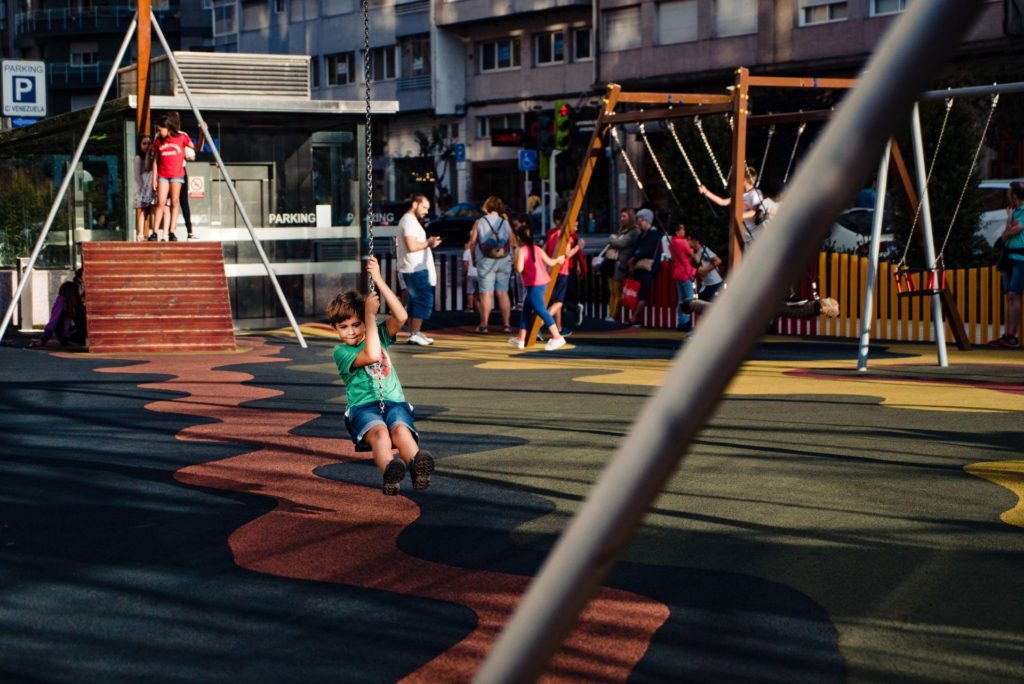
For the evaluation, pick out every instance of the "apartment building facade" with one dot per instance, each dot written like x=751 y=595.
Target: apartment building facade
x=79 y=39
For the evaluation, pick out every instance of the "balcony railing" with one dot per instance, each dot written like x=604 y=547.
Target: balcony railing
x=71 y=19
x=65 y=74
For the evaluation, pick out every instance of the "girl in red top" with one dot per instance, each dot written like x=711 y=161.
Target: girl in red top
x=168 y=172
x=683 y=272
x=530 y=263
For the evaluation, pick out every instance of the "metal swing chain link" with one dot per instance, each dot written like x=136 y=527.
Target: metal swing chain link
x=711 y=153
x=625 y=158
x=686 y=157
x=792 y=155
x=654 y=157
x=920 y=200
x=764 y=157
x=376 y=368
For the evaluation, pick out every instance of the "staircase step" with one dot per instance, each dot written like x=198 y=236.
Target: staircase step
x=146 y=297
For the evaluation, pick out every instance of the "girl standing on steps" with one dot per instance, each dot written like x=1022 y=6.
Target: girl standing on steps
x=168 y=173
x=143 y=200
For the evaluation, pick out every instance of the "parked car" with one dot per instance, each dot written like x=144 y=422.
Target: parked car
x=993 y=214
x=453 y=226
x=851 y=232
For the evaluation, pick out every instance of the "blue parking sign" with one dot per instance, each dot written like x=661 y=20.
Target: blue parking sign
x=527 y=160
x=24 y=88
x=460 y=152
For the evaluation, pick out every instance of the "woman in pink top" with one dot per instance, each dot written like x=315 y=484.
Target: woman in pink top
x=168 y=172
x=683 y=272
x=531 y=261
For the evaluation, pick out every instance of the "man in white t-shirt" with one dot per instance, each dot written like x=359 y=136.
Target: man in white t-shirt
x=416 y=264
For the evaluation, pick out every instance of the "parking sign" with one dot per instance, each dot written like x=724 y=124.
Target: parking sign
x=24 y=87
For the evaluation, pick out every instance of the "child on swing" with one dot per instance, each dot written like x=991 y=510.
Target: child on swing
x=378 y=416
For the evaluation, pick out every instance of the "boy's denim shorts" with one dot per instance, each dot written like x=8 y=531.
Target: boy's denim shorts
x=421 y=294
x=359 y=419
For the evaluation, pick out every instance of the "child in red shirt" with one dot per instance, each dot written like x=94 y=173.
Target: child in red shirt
x=168 y=173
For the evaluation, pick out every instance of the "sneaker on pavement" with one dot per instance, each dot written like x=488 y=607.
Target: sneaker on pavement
x=554 y=343
x=172 y=238
x=1011 y=342
x=517 y=343
x=192 y=238
x=420 y=469
x=420 y=339
x=152 y=237
x=393 y=476
x=609 y=319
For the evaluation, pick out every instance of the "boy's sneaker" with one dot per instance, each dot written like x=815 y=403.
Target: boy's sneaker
x=554 y=343
x=393 y=476
x=420 y=469
x=420 y=339
x=516 y=342
x=172 y=238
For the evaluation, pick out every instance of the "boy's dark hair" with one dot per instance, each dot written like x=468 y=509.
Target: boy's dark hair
x=695 y=234
x=346 y=305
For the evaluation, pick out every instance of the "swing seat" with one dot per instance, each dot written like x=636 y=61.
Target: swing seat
x=919 y=282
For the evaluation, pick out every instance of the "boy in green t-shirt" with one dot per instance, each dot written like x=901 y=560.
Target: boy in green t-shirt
x=378 y=416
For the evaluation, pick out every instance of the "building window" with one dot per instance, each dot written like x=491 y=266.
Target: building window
x=278 y=6
x=416 y=57
x=486 y=124
x=621 y=29
x=384 y=63
x=677 y=21
x=582 y=49
x=735 y=18
x=225 y=18
x=314 y=71
x=84 y=54
x=879 y=7
x=499 y=54
x=549 y=47
x=341 y=68
x=821 y=11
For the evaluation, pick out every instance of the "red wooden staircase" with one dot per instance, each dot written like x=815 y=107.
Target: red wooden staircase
x=157 y=297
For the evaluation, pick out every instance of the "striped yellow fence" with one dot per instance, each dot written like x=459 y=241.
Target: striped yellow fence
x=976 y=291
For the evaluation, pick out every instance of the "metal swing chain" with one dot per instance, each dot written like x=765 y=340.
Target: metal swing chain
x=920 y=201
x=711 y=153
x=657 y=165
x=764 y=157
x=625 y=158
x=367 y=79
x=967 y=180
x=686 y=157
x=792 y=155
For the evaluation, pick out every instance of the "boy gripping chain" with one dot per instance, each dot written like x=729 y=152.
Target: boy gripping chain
x=378 y=415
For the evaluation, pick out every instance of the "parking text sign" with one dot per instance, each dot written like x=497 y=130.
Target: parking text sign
x=24 y=88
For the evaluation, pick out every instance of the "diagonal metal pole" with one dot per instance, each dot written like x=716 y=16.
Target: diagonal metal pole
x=69 y=175
x=910 y=53
x=876 y=237
x=230 y=183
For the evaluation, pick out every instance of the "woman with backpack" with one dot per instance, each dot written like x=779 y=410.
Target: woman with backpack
x=491 y=247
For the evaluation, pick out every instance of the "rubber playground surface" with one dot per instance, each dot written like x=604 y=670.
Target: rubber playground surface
x=204 y=517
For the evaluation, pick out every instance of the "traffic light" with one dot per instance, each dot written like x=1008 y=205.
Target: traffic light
x=563 y=126
x=544 y=138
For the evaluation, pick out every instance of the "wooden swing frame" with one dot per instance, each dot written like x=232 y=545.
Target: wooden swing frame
x=684 y=105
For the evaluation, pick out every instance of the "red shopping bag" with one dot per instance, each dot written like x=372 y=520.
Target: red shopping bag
x=630 y=293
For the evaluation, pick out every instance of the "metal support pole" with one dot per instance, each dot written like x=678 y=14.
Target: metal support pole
x=77 y=157
x=876 y=238
x=926 y=231
x=231 y=185
x=910 y=53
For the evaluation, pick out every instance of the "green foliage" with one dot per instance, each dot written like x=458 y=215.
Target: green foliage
x=25 y=197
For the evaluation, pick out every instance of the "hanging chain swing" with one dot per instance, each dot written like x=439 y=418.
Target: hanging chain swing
x=792 y=154
x=661 y=171
x=711 y=153
x=764 y=157
x=932 y=281
x=375 y=369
